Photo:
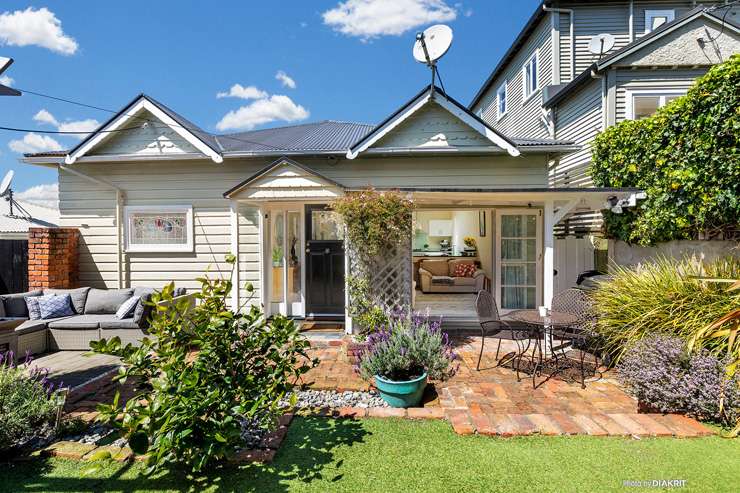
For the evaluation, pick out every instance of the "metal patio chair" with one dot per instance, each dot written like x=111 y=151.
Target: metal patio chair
x=581 y=335
x=491 y=325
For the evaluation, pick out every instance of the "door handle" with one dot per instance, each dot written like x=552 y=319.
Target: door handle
x=327 y=251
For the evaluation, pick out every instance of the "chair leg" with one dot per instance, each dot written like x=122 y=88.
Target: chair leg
x=583 y=370
x=482 y=342
x=498 y=349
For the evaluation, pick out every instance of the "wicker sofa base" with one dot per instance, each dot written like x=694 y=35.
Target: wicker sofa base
x=33 y=343
x=72 y=339
x=127 y=336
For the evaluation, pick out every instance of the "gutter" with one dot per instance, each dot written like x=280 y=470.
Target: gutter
x=120 y=198
x=571 y=15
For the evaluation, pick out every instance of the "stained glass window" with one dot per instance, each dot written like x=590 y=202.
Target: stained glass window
x=159 y=230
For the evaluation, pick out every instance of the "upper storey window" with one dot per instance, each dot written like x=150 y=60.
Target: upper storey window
x=656 y=18
x=531 y=76
x=501 y=102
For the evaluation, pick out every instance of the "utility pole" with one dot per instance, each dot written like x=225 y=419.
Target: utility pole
x=5 y=90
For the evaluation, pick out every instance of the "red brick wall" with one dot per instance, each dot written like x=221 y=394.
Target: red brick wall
x=52 y=258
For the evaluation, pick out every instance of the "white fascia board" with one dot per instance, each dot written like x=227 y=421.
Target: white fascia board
x=478 y=126
x=380 y=133
x=144 y=104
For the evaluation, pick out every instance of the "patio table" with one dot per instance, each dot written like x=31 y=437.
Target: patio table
x=543 y=328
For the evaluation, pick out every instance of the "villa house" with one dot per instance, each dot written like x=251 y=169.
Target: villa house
x=550 y=84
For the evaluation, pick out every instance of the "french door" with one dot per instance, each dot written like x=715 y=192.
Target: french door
x=285 y=260
x=518 y=259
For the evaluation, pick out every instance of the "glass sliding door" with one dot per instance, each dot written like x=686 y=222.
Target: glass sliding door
x=286 y=261
x=518 y=261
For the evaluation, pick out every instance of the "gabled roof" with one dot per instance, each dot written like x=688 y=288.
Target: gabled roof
x=283 y=161
x=426 y=95
x=196 y=136
x=635 y=46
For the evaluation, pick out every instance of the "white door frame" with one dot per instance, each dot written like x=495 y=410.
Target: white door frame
x=498 y=250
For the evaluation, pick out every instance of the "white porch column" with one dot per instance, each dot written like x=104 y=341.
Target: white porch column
x=234 y=216
x=347 y=317
x=548 y=260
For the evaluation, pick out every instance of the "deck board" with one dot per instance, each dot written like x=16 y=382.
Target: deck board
x=73 y=368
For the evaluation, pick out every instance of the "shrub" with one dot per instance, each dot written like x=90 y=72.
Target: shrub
x=661 y=374
x=208 y=370
x=685 y=157
x=28 y=402
x=661 y=297
x=406 y=347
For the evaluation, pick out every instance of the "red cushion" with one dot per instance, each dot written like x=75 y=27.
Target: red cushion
x=464 y=270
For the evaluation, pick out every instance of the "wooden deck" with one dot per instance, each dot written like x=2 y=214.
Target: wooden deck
x=74 y=368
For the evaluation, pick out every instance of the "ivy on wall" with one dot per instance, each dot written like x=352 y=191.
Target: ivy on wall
x=686 y=159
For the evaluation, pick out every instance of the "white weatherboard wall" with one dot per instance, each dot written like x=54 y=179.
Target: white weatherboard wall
x=572 y=256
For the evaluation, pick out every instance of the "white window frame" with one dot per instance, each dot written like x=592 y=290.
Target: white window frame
x=669 y=14
x=503 y=88
x=167 y=248
x=525 y=86
x=662 y=93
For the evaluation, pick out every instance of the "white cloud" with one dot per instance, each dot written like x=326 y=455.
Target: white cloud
x=242 y=92
x=33 y=142
x=35 y=27
x=46 y=195
x=285 y=79
x=6 y=81
x=86 y=126
x=274 y=108
x=367 y=19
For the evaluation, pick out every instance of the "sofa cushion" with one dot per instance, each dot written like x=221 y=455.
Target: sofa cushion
x=142 y=290
x=30 y=326
x=78 y=296
x=55 y=306
x=435 y=267
x=443 y=280
x=465 y=281
x=32 y=305
x=126 y=323
x=15 y=304
x=106 y=301
x=126 y=310
x=143 y=311
x=81 y=321
x=2 y=309
x=464 y=269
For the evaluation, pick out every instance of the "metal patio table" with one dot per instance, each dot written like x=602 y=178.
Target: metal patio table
x=542 y=328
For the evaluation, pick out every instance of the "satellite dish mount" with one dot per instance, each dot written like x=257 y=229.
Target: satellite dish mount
x=431 y=45
x=7 y=193
x=601 y=44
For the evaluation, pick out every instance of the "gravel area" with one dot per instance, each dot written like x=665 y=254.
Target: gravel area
x=308 y=399
x=97 y=434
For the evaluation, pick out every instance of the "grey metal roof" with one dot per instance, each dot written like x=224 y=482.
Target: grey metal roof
x=327 y=135
x=540 y=142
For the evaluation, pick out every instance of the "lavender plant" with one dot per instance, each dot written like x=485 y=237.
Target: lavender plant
x=28 y=401
x=662 y=374
x=405 y=347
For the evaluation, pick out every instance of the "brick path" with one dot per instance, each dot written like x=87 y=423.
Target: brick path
x=493 y=402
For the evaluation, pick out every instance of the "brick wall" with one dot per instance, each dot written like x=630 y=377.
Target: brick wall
x=52 y=258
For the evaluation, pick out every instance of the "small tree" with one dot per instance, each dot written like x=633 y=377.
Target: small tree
x=685 y=157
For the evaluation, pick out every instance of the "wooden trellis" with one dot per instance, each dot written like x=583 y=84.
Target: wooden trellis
x=388 y=275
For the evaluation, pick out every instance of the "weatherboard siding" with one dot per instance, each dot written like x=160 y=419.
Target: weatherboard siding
x=91 y=207
x=644 y=79
x=522 y=118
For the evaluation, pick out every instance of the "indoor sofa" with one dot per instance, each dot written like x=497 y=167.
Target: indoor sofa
x=94 y=318
x=438 y=276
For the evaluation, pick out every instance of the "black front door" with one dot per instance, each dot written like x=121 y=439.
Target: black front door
x=324 y=263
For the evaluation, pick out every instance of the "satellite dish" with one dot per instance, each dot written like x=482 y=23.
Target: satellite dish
x=5 y=185
x=601 y=43
x=432 y=44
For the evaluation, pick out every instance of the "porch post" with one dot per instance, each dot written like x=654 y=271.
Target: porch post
x=347 y=317
x=234 y=216
x=548 y=260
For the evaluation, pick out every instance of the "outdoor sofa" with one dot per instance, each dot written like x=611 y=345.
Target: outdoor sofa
x=94 y=318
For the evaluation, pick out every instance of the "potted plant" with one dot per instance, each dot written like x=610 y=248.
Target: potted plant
x=277 y=256
x=470 y=244
x=401 y=355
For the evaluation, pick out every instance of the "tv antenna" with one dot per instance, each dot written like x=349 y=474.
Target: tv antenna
x=6 y=62
x=7 y=193
x=431 y=45
x=600 y=44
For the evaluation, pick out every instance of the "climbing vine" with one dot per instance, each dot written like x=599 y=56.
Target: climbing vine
x=685 y=157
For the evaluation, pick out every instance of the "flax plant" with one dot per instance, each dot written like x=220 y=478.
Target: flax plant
x=665 y=297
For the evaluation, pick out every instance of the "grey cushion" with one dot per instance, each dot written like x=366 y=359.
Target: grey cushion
x=2 y=309
x=79 y=296
x=32 y=305
x=81 y=322
x=15 y=304
x=141 y=291
x=143 y=311
x=30 y=326
x=125 y=323
x=104 y=301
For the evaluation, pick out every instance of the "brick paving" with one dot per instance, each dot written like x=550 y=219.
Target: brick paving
x=493 y=402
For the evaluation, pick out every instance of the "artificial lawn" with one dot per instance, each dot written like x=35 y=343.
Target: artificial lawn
x=400 y=455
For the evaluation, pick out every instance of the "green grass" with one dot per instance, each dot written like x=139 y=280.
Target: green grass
x=400 y=455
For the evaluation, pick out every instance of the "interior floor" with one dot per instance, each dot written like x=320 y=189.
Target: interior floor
x=456 y=305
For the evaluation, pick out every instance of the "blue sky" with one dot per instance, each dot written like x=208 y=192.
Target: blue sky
x=349 y=60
